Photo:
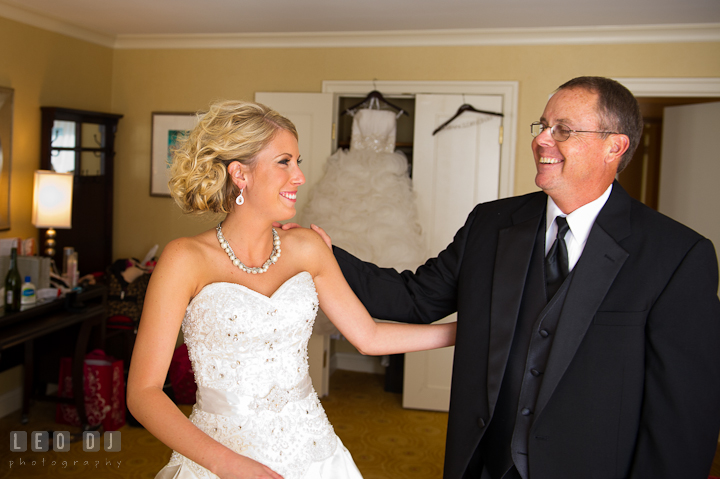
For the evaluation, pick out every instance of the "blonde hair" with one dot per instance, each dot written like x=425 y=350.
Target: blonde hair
x=229 y=131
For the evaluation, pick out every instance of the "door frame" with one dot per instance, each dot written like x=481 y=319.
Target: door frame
x=508 y=90
x=673 y=87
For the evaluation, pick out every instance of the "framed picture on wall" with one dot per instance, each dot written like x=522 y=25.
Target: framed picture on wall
x=6 y=121
x=167 y=128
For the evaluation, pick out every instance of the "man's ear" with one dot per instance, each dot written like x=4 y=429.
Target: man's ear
x=617 y=147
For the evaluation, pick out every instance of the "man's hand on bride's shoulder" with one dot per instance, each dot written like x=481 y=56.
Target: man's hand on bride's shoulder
x=285 y=226
x=316 y=228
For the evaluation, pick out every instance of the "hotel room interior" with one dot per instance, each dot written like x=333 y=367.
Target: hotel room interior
x=124 y=67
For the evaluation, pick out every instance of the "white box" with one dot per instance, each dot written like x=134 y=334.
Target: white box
x=37 y=267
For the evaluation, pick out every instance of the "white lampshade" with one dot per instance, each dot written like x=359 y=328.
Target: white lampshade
x=52 y=200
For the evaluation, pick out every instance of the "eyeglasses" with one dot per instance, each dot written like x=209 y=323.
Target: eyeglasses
x=560 y=132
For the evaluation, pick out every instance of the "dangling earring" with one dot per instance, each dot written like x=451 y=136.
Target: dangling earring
x=240 y=200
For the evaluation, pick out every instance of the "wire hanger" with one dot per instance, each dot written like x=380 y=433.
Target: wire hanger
x=463 y=108
x=372 y=97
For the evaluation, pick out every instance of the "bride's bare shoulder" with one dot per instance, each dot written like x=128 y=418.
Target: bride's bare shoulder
x=189 y=249
x=303 y=241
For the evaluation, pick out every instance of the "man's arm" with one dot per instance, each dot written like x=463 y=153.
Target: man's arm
x=429 y=294
x=681 y=407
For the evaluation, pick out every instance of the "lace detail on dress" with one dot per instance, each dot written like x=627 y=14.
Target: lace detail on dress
x=278 y=398
x=374 y=130
x=249 y=355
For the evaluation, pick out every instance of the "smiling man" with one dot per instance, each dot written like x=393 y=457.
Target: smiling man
x=588 y=337
x=576 y=172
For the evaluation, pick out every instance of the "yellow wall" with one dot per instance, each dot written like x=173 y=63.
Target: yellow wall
x=45 y=69
x=48 y=69
x=187 y=80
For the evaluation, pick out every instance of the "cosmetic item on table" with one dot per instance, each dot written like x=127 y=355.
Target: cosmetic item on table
x=72 y=274
x=27 y=292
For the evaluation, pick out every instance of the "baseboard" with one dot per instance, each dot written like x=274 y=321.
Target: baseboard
x=357 y=363
x=10 y=402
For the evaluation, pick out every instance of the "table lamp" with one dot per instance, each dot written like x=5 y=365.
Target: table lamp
x=52 y=204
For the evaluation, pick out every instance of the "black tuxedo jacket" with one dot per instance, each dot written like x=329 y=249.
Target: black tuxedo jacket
x=632 y=385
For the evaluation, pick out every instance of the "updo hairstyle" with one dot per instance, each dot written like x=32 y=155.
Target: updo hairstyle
x=229 y=131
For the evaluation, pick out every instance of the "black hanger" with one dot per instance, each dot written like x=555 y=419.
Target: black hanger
x=463 y=108
x=378 y=96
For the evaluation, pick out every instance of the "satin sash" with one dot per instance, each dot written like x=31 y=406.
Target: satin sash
x=228 y=403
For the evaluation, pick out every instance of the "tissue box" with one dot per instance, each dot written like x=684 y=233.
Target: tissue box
x=37 y=267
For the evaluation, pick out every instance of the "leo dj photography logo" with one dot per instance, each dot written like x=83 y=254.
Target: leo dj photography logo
x=40 y=441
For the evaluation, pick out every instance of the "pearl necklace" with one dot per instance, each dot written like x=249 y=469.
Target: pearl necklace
x=271 y=260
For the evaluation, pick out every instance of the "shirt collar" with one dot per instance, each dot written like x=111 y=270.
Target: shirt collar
x=580 y=220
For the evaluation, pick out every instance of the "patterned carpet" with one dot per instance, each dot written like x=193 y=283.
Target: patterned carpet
x=385 y=440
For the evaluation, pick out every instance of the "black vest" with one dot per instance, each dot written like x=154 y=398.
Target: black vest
x=505 y=443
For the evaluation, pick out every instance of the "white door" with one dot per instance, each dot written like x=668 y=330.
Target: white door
x=312 y=115
x=690 y=167
x=453 y=171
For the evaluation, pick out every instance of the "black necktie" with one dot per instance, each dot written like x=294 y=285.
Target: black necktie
x=556 y=261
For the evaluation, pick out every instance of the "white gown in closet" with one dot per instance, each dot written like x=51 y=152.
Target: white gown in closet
x=249 y=356
x=365 y=200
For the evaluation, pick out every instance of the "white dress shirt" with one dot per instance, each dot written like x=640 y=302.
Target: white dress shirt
x=580 y=222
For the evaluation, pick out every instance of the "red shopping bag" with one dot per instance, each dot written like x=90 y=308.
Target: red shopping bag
x=182 y=377
x=104 y=385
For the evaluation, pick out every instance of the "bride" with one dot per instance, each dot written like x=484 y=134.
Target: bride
x=246 y=308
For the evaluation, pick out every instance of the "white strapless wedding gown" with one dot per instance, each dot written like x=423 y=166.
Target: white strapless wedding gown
x=249 y=356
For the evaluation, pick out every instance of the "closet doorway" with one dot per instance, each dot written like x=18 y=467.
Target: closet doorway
x=453 y=172
x=685 y=113
x=641 y=178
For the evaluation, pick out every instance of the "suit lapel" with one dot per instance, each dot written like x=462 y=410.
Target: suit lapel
x=593 y=276
x=514 y=251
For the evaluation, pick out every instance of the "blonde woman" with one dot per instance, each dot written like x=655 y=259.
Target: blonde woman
x=246 y=307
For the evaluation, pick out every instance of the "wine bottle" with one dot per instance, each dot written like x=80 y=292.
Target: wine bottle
x=13 y=283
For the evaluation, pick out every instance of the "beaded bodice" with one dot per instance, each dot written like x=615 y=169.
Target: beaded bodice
x=374 y=130
x=244 y=341
x=249 y=355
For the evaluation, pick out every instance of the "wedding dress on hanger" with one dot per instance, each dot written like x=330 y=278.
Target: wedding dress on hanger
x=365 y=200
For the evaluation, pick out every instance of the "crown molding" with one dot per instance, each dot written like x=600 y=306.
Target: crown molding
x=672 y=87
x=677 y=33
x=493 y=37
x=56 y=26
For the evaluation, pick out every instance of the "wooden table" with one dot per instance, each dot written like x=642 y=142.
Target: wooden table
x=88 y=309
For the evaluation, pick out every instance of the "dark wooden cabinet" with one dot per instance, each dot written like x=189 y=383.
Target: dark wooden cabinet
x=83 y=143
x=39 y=335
